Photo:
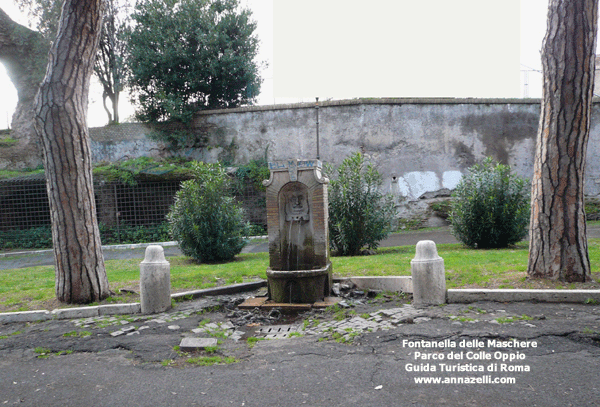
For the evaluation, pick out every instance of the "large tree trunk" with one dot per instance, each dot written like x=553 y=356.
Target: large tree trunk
x=115 y=104
x=558 y=245
x=24 y=54
x=61 y=115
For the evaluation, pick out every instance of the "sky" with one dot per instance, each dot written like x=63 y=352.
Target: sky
x=339 y=49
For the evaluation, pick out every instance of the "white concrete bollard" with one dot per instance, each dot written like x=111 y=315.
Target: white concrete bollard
x=428 y=275
x=155 y=281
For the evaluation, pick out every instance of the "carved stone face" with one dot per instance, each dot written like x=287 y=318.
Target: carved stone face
x=296 y=206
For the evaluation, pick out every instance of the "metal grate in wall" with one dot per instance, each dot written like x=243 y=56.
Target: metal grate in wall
x=125 y=212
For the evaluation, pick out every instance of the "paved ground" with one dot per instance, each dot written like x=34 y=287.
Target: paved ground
x=46 y=257
x=365 y=355
x=555 y=361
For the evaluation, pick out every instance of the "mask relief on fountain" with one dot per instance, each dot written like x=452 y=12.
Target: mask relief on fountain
x=296 y=207
x=296 y=248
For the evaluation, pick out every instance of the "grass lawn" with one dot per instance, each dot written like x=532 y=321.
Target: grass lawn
x=33 y=288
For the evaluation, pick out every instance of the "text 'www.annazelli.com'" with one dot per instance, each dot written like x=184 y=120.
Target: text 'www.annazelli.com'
x=465 y=380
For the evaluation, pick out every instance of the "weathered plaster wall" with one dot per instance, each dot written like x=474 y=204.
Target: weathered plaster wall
x=124 y=141
x=419 y=145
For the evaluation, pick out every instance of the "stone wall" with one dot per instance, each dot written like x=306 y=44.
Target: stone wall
x=114 y=143
x=419 y=145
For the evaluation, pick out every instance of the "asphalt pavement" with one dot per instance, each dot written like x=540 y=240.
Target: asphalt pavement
x=483 y=354
x=370 y=352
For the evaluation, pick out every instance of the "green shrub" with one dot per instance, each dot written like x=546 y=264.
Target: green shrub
x=490 y=207
x=129 y=172
x=592 y=209
x=41 y=237
x=134 y=234
x=359 y=215
x=33 y=238
x=251 y=175
x=257 y=230
x=441 y=209
x=205 y=219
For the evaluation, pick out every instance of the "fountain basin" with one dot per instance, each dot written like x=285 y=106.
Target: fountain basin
x=299 y=286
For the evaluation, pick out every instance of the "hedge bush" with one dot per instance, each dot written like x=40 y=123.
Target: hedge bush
x=134 y=234
x=33 y=238
x=205 y=218
x=41 y=237
x=359 y=214
x=491 y=207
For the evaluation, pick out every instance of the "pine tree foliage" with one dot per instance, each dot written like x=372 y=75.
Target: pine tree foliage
x=189 y=55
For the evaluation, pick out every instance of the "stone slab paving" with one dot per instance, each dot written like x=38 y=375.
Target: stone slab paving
x=134 y=324
x=379 y=320
x=195 y=344
x=318 y=324
x=348 y=327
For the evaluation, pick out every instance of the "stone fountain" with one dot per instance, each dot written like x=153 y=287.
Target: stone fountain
x=299 y=268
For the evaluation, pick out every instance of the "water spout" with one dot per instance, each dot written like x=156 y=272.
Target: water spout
x=290 y=247
x=296 y=199
x=298 y=248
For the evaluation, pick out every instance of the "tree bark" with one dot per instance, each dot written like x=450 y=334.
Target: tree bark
x=61 y=122
x=24 y=53
x=108 y=112
x=109 y=65
x=115 y=103
x=558 y=243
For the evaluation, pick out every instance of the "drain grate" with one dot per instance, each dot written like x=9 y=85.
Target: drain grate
x=277 y=331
